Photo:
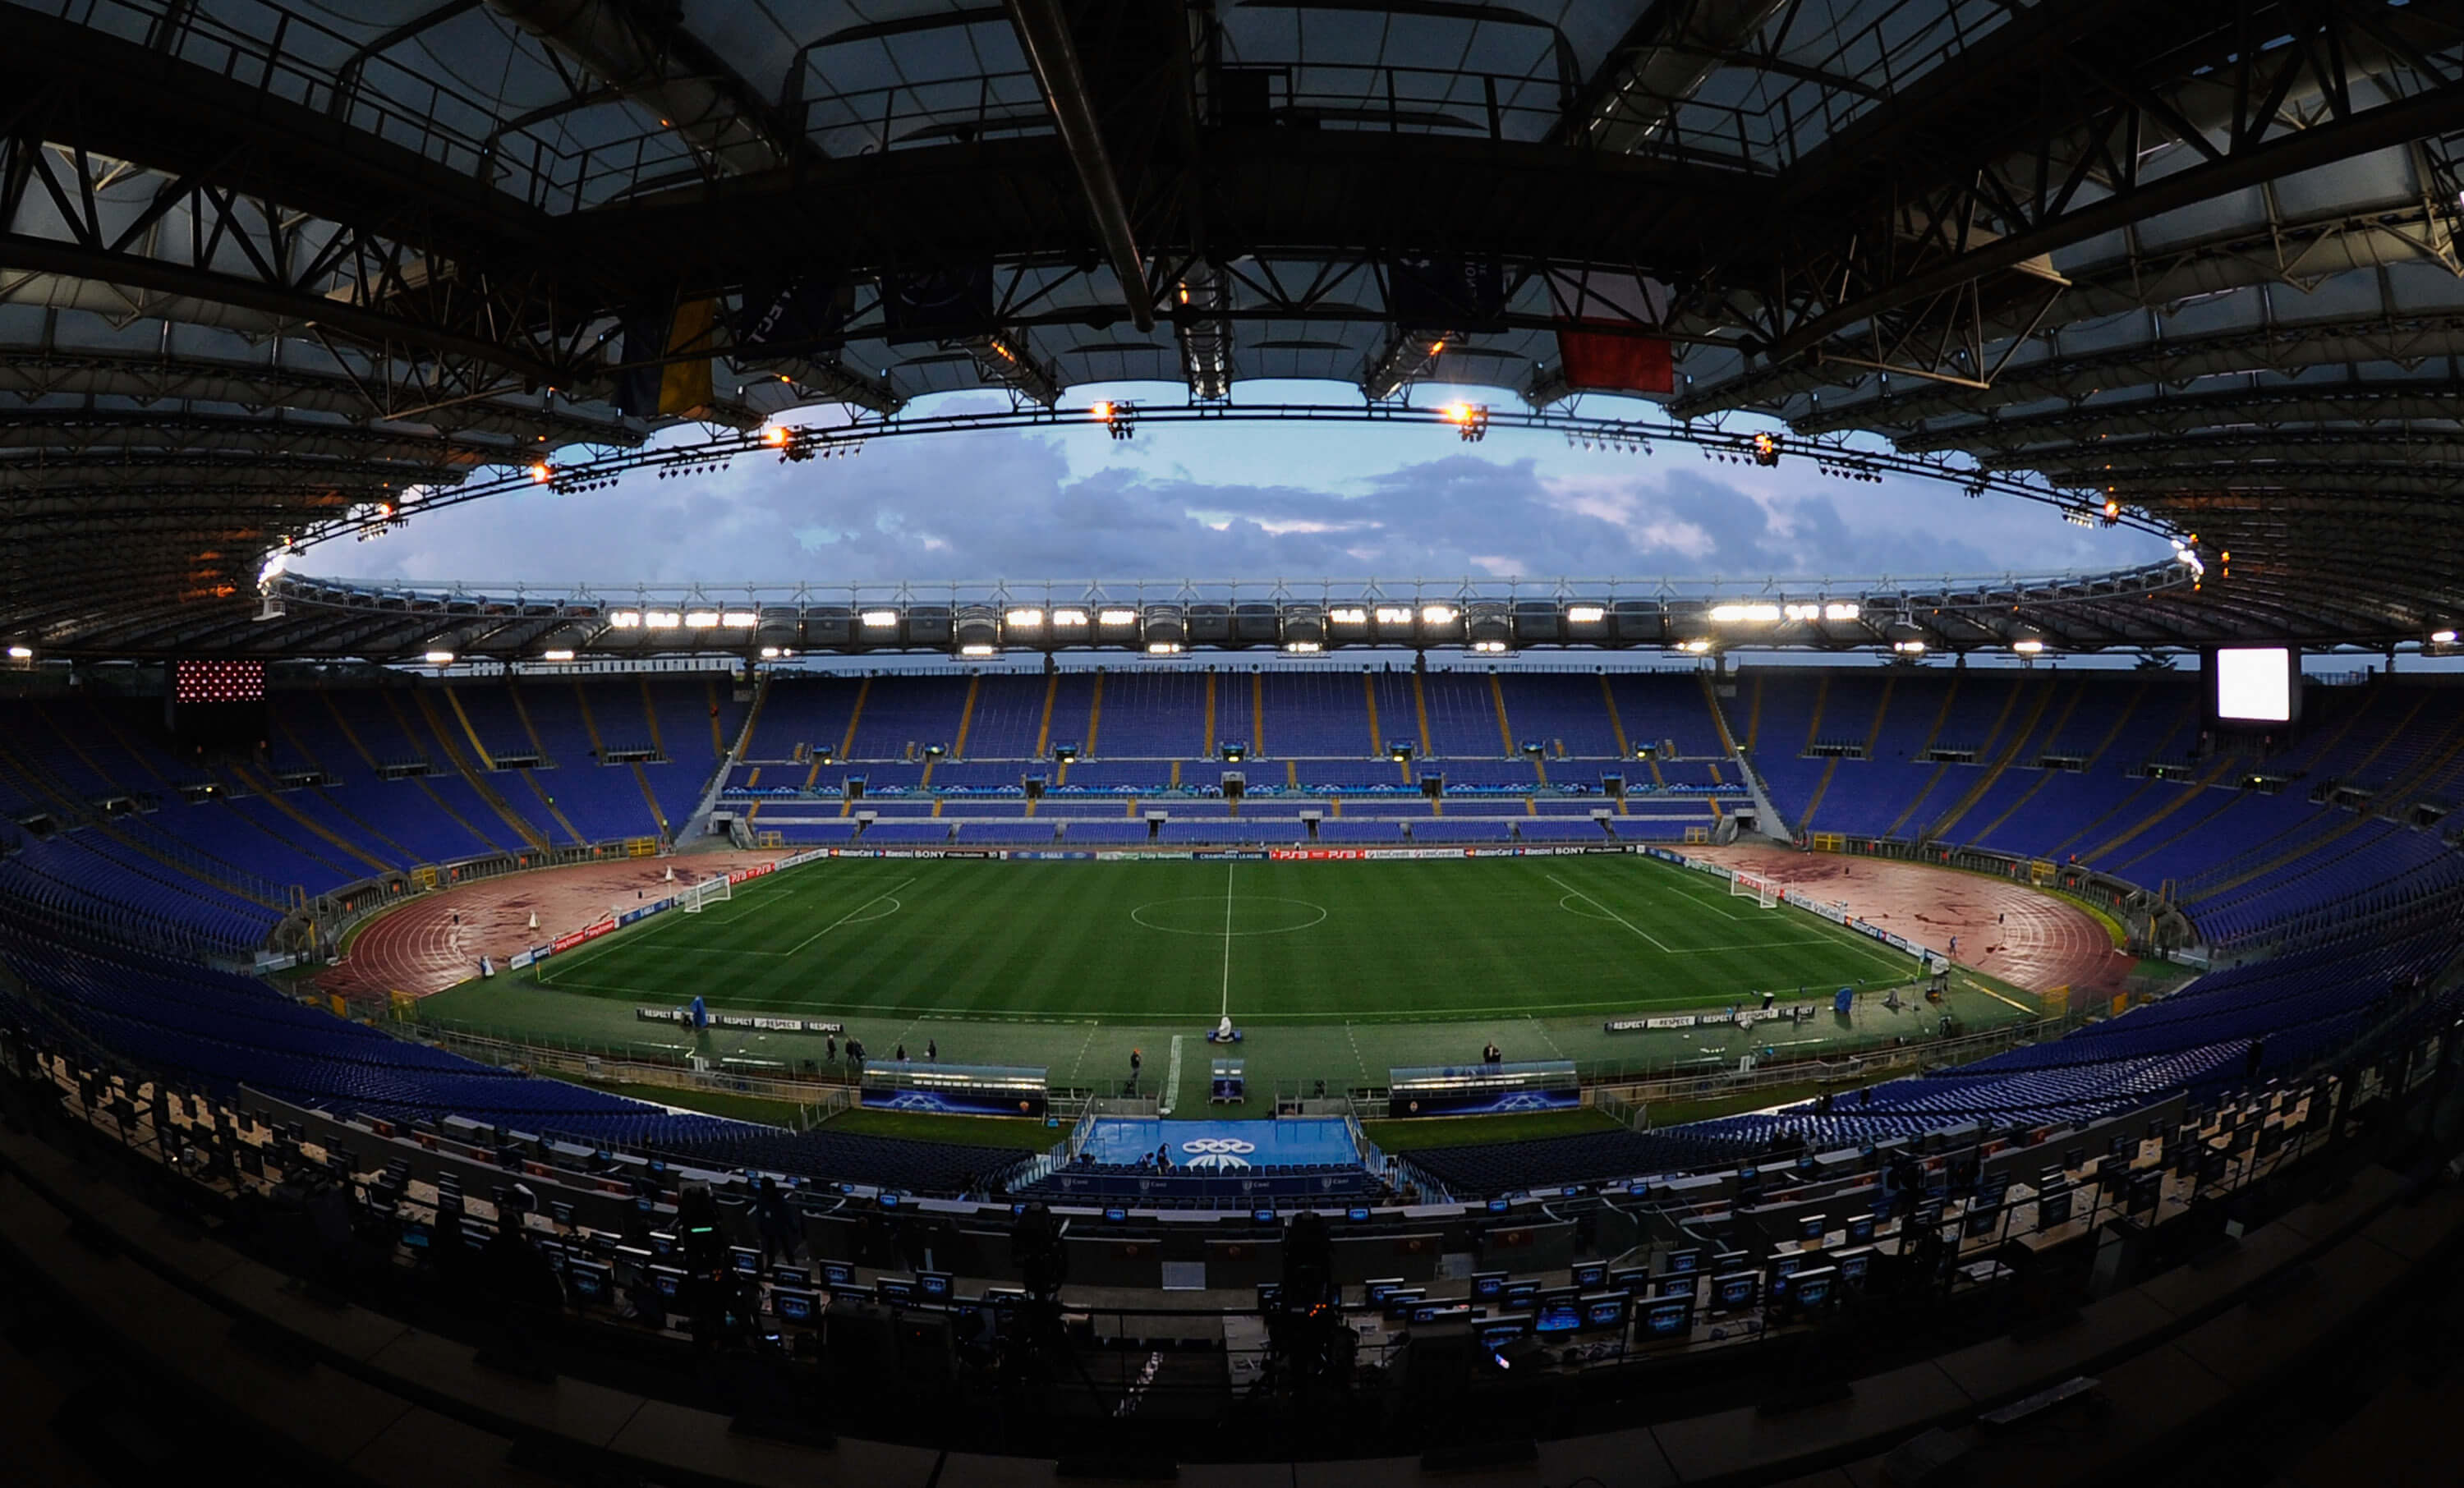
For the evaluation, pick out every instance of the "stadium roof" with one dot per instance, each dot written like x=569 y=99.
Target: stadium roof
x=266 y=266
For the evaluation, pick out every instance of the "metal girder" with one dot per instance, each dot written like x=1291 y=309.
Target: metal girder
x=2405 y=340
x=2294 y=477
x=1043 y=34
x=1663 y=58
x=2248 y=453
x=2119 y=423
x=32 y=373
x=279 y=441
x=666 y=70
x=1952 y=184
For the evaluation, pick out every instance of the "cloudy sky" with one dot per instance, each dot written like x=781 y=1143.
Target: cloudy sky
x=1233 y=501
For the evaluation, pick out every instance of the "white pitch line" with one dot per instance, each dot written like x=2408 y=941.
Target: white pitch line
x=1611 y=913
x=1170 y=1080
x=850 y=915
x=1227 y=940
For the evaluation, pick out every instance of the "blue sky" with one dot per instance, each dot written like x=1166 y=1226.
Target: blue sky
x=1245 y=501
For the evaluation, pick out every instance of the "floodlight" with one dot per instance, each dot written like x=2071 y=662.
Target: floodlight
x=1023 y=619
x=1489 y=647
x=774 y=435
x=662 y=619
x=1727 y=614
x=2028 y=646
x=1801 y=611
x=2442 y=637
x=1394 y=614
x=739 y=620
x=1302 y=648
x=769 y=653
x=978 y=650
x=1348 y=615
x=1586 y=614
x=1163 y=648
x=1698 y=646
x=625 y=620
x=542 y=472
x=700 y=619
x=26 y=653
x=1437 y=614
x=559 y=654
x=1847 y=611
x=1908 y=648
x=434 y=658
x=1068 y=617
x=879 y=620
x=1117 y=617
x=1101 y=410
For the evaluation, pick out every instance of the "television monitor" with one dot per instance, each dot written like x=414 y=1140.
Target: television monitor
x=562 y=1212
x=1860 y=1230
x=999 y=1297
x=1378 y=1288
x=2054 y=1208
x=1487 y=1286
x=666 y=1279
x=1978 y=1223
x=1603 y=1310
x=1673 y=1286
x=662 y=1243
x=1114 y=1214
x=1358 y=1214
x=1684 y=1262
x=1399 y=1301
x=836 y=1274
x=1265 y=1217
x=1814 y=1288
x=1590 y=1275
x=1854 y=1267
x=791 y=1275
x=589 y=1280
x=2124 y=1148
x=897 y=1289
x=933 y=1286
x=1928 y=1215
x=1633 y=1280
x=1559 y=1310
x=1788 y=1265
x=1441 y=1312
x=2146 y=1189
x=1668 y=1318
x=794 y=1305
x=890 y=1201
x=1728 y=1260
x=417 y=1236
x=1520 y=1295
x=1497 y=1205
x=1811 y=1229
x=746 y=1259
x=1270 y=1295
x=1498 y=1332
x=1735 y=1291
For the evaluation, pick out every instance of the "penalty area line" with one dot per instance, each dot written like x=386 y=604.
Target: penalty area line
x=1605 y=910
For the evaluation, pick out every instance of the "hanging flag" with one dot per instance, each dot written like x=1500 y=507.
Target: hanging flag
x=1446 y=293
x=1610 y=362
x=1598 y=318
x=667 y=348
x=800 y=314
x=938 y=304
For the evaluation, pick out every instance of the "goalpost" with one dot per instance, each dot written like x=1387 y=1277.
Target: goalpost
x=1753 y=885
x=710 y=890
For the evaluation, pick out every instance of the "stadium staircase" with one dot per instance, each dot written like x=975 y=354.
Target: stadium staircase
x=1933 y=736
x=1942 y=824
x=265 y=790
x=524 y=832
x=2180 y=799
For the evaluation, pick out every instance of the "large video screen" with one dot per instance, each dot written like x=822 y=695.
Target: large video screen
x=2255 y=684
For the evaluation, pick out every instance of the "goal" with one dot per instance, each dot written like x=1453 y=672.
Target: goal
x=710 y=890
x=1762 y=890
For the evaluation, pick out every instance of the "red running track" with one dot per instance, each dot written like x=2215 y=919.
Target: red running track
x=436 y=940
x=2026 y=938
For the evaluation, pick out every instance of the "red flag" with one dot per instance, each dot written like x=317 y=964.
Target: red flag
x=1598 y=362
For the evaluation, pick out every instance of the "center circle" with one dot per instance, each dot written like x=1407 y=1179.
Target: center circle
x=1203 y=914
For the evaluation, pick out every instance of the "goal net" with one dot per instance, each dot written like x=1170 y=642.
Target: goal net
x=1753 y=885
x=710 y=890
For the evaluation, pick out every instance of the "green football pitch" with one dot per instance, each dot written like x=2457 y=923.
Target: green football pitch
x=1336 y=970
